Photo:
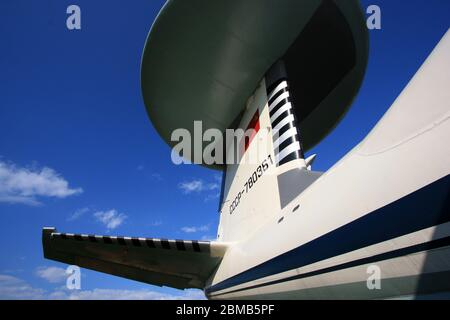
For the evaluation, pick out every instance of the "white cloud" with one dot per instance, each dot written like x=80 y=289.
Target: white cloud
x=77 y=214
x=197 y=185
x=117 y=294
x=15 y=288
x=208 y=238
x=191 y=186
x=52 y=274
x=111 y=218
x=156 y=223
x=24 y=185
x=213 y=196
x=195 y=229
x=213 y=186
x=12 y=288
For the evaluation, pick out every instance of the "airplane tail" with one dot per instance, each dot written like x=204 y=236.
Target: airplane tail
x=309 y=59
x=299 y=100
x=266 y=168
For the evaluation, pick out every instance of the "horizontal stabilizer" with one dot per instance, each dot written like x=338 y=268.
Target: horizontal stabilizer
x=176 y=263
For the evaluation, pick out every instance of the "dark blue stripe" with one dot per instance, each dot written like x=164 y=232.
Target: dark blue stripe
x=376 y=258
x=421 y=209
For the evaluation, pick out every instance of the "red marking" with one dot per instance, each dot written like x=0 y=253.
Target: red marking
x=254 y=126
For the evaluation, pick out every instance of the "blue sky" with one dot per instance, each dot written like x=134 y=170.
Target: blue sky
x=77 y=150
